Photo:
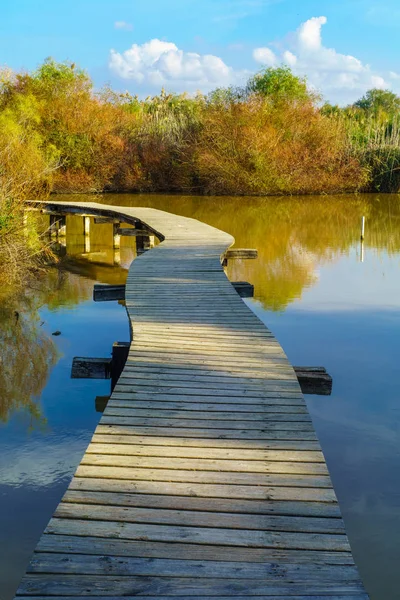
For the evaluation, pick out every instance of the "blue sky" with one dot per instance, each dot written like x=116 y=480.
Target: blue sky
x=344 y=47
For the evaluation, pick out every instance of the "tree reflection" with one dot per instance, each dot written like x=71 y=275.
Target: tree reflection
x=27 y=356
x=293 y=236
x=27 y=351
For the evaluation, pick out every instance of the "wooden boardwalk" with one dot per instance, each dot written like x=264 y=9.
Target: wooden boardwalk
x=204 y=478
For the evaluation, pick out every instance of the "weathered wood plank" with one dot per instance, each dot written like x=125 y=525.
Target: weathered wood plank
x=217 y=505
x=158 y=567
x=124 y=514
x=144 y=446
x=159 y=587
x=125 y=435
x=199 y=535
x=105 y=479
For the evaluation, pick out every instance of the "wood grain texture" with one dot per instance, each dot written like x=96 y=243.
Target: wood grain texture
x=204 y=478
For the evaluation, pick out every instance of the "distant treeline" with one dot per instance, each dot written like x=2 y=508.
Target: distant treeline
x=270 y=137
x=273 y=136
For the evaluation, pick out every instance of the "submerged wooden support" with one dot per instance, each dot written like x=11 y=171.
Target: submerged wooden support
x=120 y=352
x=132 y=232
x=105 y=293
x=57 y=226
x=100 y=403
x=314 y=380
x=244 y=288
x=242 y=253
x=238 y=253
x=101 y=368
x=204 y=478
x=90 y=368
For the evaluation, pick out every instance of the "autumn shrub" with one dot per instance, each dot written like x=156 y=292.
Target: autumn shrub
x=258 y=147
x=27 y=166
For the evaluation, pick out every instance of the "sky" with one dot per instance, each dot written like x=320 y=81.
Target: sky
x=343 y=47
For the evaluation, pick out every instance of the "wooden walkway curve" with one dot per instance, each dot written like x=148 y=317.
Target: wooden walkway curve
x=204 y=478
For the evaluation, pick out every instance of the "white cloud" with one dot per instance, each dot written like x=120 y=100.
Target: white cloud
x=289 y=58
x=265 y=56
x=158 y=63
x=340 y=77
x=123 y=25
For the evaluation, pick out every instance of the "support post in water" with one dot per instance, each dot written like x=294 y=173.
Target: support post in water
x=86 y=226
x=362 y=227
x=57 y=225
x=120 y=351
x=116 y=236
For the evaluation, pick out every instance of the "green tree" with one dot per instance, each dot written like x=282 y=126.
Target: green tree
x=378 y=101
x=280 y=84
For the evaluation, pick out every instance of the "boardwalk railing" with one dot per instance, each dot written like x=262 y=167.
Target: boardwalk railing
x=204 y=477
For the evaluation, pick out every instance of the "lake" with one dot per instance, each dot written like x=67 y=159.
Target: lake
x=330 y=300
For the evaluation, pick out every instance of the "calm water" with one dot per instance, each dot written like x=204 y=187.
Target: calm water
x=329 y=301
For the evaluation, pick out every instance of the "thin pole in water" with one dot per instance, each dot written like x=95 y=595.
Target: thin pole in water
x=362 y=227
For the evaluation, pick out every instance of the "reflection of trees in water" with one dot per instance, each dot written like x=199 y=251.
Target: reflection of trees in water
x=27 y=355
x=292 y=235
x=27 y=351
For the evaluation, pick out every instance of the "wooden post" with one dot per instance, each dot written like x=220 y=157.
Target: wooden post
x=244 y=288
x=120 y=351
x=116 y=236
x=139 y=241
x=117 y=256
x=362 y=227
x=86 y=226
x=53 y=225
x=100 y=403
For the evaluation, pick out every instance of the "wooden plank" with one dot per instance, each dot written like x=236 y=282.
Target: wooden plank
x=116 y=547
x=145 y=446
x=108 y=585
x=359 y=596
x=265 y=425
x=190 y=518
x=200 y=535
x=160 y=567
x=105 y=479
x=208 y=433
x=268 y=399
x=265 y=457
x=232 y=409
x=217 y=505
x=177 y=413
x=204 y=464
x=118 y=468
x=126 y=435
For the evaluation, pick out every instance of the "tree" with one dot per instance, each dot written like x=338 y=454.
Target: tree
x=280 y=84
x=379 y=101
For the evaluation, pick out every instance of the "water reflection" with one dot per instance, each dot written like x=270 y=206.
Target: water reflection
x=325 y=306
x=294 y=236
